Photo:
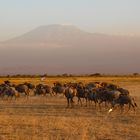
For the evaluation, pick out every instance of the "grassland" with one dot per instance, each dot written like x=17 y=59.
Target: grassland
x=48 y=118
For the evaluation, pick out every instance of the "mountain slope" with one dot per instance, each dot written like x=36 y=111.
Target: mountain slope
x=60 y=49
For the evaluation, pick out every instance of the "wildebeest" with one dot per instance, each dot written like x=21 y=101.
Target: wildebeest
x=22 y=88
x=81 y=93
x=102 y=95
x=123 y=91
x=30 y=85
x=122 y=100
x=43 y=90
x=69 y=93
x=109 y=86
x=58 y=88
x=8 y=91
x=8 y=83
x=92 y=96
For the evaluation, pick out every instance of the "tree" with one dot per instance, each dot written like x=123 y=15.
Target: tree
x=135 y=74
x=95 y=74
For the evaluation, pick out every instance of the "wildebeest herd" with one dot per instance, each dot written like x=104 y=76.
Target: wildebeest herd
x=98 y=92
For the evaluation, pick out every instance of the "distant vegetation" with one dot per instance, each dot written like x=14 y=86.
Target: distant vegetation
x=69 y=75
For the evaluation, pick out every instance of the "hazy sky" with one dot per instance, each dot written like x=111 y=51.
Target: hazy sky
x=105 y=16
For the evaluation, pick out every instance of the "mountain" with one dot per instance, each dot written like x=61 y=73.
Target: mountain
x=53 y=35
x=57 y=49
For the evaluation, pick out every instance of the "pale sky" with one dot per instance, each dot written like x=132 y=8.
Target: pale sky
x=102 y=16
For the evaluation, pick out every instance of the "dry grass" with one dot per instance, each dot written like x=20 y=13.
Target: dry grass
x=47 y=118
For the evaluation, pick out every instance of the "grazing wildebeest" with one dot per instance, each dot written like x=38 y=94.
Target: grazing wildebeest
x=92 y=91
x=123 y=91
x=122 y=100
x=90 y=85
x=105 y=95
x=8 y=83
x=30 y=85
x=8 y=91
x=69 y=93
x=43 y=89
x=91 y=96
x=2 y=86
x=58 y=88
x=109 y=86
x=39 y=90
x=82 y=92
x=22 y=88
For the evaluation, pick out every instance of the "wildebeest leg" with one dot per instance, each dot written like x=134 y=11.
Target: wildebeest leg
x=51 y=93
x=83 y=100
x=17 y=95
x=86 y=101
x=10 y=96
x=131 y=104
x=54 y=93
x=95 y=102
x=122 y=108
x=2 y=97
x=89 y=101
x=6 y=98
x=80 y=101
x=27 y=95
x=100 y=104
x=68 y=102
x=105 y=104
x=71 y=100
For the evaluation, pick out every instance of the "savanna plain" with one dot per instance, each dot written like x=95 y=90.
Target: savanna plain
x=47 y=118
